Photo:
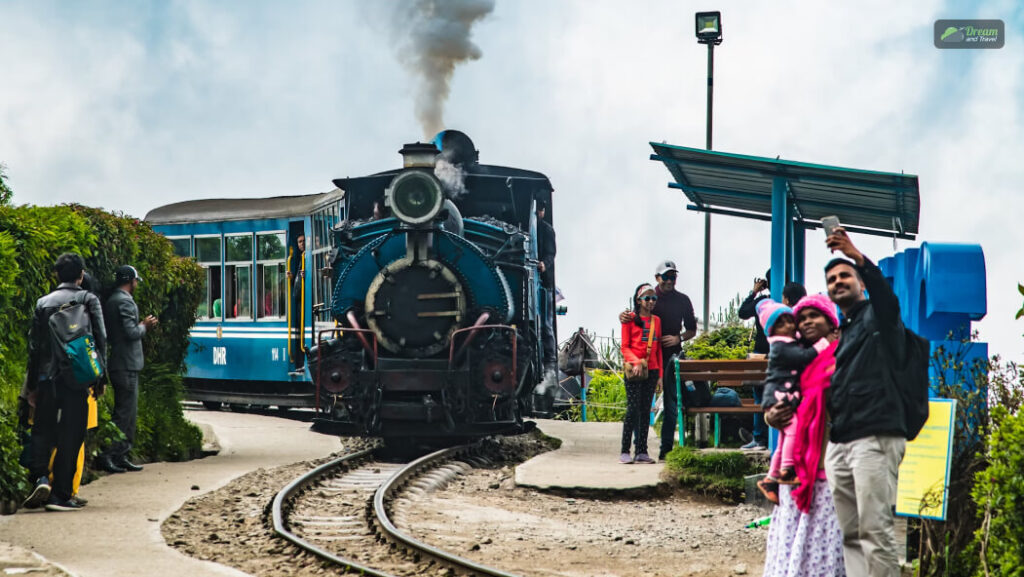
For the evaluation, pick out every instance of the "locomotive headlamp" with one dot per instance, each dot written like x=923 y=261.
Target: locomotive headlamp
x=415 y=197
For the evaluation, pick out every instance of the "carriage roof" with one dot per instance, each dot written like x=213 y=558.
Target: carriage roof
x=219 y=209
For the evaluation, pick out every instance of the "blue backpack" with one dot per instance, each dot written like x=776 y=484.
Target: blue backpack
x=78 y=362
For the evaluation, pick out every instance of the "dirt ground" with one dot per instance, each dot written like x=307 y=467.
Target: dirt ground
x=483 y=516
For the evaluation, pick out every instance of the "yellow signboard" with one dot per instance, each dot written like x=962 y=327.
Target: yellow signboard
x=924 y=473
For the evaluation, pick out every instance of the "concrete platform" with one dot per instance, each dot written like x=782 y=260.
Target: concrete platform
x=118 y=533
x=588 y=460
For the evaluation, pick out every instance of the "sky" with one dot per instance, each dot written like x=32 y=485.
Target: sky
x=130 y=106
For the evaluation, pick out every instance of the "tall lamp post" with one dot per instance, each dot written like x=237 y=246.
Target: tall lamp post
x=709 y=31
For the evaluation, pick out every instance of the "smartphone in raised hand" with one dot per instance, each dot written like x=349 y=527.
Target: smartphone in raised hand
x=830 y=224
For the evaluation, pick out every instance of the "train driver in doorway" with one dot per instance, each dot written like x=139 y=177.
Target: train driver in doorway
x=296 y=316
x=546 y=267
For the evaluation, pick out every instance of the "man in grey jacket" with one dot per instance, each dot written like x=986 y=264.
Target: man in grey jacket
x=61 y=406
x=125 y=334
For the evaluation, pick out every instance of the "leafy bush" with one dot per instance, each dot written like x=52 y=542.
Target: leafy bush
x=715 y=473
x=999 y=493
x=606 y=398
x=728 y=342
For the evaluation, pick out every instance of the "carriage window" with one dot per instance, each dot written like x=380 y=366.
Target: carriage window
x=238 y=276
x=323 y=221
x=208 y=256
x=182 y=245
x=270 y=275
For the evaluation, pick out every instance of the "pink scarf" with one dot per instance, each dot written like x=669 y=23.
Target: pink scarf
x=814 y=383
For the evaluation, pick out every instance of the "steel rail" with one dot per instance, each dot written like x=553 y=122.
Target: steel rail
x=285 y=494
x=387 y=490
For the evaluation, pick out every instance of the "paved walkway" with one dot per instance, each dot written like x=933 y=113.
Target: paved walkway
x=118 y=533
x=587 y=460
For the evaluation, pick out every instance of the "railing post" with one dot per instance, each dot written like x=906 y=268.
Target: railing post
x=679 y=405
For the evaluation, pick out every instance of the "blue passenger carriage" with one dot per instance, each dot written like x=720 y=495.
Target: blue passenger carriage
x=253 y=326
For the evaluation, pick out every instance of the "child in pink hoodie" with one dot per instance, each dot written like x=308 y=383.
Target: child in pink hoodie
x=787 y=358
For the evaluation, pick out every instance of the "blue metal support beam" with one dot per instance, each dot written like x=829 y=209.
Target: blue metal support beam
x=799 y=252
x=780 y=217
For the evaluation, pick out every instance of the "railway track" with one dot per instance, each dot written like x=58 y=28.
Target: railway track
x=342 y=512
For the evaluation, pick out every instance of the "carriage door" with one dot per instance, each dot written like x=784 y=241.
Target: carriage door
x=297 y=265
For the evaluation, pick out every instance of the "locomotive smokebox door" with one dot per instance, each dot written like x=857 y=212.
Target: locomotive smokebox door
x=414 y=306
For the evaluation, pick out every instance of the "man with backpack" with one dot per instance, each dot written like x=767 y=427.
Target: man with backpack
x=125 y=332
x=869 y=425
x=67 y=344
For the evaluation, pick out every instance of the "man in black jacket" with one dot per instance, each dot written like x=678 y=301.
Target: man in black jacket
x=61 y=405
x=126 y=361
x=868 y=434
x=546 y=255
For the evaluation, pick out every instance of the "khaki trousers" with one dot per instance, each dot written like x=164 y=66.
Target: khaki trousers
x=862 y=475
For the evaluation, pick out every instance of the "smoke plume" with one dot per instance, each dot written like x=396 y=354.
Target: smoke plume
x=432 y=37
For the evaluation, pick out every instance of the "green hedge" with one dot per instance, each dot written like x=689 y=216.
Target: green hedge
x=999 y=492
x=31 y=238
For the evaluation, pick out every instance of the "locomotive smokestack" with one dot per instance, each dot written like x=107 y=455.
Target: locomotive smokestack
x=419 y=155
x=433 y=37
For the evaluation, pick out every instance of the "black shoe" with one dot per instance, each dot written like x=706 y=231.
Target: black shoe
x=55 y=503
x=80 y=501
x=125 y=464
x=40 y=493
x=105 y=463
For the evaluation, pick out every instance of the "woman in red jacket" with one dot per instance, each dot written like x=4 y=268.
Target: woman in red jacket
x=640 y=342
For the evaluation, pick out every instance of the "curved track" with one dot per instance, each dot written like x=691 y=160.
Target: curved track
x=329 y=512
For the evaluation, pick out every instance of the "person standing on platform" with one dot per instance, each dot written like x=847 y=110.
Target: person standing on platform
x=804 y=537
x=679 y=324
x=61 y=406
x=869 y=429
x=126 y=362
x=640 y=353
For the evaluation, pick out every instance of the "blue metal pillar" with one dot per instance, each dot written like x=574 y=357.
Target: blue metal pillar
x=799 y=252
x=789 y=249
x=780 y=220
x=780 y=246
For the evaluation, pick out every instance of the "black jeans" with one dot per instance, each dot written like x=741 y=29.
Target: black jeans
x=670 y=404
x=60 y=420
x=637 y=422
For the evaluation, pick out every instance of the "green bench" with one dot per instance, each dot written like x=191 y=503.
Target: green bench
x=745 y=372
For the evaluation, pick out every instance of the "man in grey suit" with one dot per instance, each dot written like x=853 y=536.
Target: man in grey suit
x=124 y=335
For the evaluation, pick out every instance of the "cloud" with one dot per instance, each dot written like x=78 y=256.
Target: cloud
x=133 y=108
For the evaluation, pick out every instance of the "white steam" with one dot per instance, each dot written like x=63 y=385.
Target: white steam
x=432 y=37
x=452 y=177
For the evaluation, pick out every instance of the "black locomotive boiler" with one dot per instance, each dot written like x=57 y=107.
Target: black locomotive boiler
x=437 y=299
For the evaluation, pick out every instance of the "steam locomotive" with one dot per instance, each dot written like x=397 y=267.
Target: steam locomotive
x=437 y=299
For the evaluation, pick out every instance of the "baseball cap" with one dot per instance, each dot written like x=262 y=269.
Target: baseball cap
x=126 y=273
x=665 y=266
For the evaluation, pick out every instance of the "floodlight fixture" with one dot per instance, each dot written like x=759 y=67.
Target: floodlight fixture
x=709 y=27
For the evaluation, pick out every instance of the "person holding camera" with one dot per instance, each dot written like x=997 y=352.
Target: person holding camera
x=791 y=293
x=642 y=361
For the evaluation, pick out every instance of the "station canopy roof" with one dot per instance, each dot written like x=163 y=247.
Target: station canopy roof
x=867 y=202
